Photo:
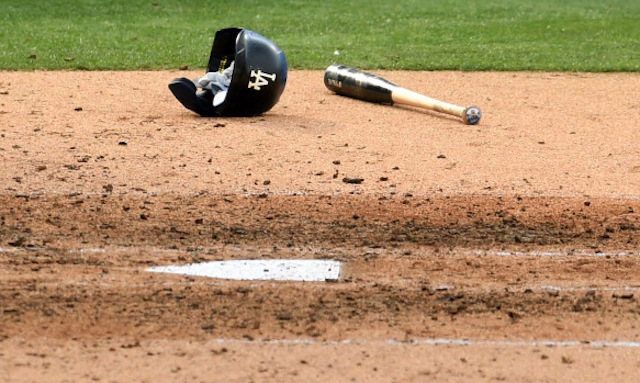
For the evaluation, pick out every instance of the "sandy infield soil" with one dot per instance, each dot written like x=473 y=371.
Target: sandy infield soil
x=506 y=251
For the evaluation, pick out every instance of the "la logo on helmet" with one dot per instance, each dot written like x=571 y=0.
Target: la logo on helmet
x=261 y=79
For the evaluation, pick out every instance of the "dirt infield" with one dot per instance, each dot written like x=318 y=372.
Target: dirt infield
x=506 y=251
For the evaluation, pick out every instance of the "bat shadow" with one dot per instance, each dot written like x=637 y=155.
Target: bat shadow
x=431 y=113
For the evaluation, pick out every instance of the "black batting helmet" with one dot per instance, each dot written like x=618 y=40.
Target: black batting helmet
x=258 y=79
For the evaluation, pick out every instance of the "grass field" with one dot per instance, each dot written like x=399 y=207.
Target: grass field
x=574 y=35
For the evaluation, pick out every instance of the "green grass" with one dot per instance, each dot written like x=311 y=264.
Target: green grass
x=546 y=35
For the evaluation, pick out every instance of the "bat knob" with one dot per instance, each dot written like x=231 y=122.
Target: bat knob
x=472 y=115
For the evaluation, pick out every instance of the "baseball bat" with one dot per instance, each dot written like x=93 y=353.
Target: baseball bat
x=356 y=83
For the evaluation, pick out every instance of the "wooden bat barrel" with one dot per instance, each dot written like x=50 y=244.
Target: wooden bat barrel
x=355 y=83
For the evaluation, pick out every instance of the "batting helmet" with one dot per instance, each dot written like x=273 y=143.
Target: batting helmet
x=258 y=79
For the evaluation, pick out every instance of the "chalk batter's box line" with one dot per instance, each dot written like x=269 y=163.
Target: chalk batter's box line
x=445 y=341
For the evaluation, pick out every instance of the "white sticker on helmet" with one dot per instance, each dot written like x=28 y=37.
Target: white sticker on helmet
x=219 y=97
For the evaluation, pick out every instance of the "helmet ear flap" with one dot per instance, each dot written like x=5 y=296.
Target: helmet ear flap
x=223 y=50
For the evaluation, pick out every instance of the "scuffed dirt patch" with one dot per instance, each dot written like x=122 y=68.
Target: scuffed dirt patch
x=413 y=267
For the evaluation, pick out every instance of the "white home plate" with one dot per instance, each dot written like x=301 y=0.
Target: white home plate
x=311 y=270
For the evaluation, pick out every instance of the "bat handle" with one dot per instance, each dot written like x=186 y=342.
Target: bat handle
x=470 y=115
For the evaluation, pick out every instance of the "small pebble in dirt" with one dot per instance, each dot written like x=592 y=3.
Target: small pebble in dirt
x=352 y=180
x=567 y=360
